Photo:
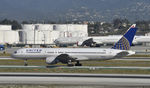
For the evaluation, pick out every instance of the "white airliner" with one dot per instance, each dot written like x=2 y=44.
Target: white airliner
x=111 y=39
x=68 y=55
x=114 y=38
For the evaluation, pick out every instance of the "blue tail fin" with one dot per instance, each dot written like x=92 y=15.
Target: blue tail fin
x=126 y=41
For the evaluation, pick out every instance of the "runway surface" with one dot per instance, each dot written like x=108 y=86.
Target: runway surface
x=79 y=67
x=75 y=79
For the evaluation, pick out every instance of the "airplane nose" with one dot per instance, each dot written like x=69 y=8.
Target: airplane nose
x=56 y=41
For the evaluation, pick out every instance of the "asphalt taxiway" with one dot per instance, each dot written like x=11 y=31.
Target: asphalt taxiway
x=75 y=79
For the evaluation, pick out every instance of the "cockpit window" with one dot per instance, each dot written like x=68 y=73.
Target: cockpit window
x=15 y=52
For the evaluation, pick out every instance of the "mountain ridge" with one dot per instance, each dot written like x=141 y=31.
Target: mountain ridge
x=75 y=10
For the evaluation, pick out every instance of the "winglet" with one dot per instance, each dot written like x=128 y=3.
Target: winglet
x=126 y=41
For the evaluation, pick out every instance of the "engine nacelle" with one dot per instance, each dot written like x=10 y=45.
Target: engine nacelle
x=51 y=60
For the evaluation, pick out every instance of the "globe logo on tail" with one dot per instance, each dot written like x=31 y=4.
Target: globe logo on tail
x=122 y=44
x=126 y=41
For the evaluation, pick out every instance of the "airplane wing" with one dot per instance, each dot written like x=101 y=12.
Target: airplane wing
x=63 y=58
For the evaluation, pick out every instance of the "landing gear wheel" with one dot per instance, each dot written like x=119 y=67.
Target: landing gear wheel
x=70 y=63
x=78 y=64
x=25 y=62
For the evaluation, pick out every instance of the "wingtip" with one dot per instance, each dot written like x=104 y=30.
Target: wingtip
x=133 y=26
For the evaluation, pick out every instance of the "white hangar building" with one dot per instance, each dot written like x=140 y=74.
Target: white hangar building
x=147 y=44
x=71 y=30
x=7 y=35
x=48 y=33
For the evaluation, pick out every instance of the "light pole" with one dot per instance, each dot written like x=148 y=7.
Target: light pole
x=43 y=36
x=34 y=37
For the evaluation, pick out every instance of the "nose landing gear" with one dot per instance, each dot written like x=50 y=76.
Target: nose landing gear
x=70 y=63
x=25 y=62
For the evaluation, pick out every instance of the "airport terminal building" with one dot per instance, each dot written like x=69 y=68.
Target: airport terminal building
x=48 y=33
x=148 y=43
x=7 y=35
x=42 y=34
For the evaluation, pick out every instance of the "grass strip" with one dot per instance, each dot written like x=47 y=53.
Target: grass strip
x=85 y=63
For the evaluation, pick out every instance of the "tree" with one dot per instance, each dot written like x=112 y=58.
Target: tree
x=120 y=23
x=5 y=21
x=25 y=22
x=117 y=23
x=14 y=23
x=143 y=26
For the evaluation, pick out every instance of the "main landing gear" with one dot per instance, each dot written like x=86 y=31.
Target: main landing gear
x=25 y=62
x=70 y=63
x=76 y=64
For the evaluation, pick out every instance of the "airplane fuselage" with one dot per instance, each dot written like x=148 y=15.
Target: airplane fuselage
x=79 y=53
x=101 y=39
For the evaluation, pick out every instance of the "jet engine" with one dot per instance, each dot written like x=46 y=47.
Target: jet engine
x=51 y=60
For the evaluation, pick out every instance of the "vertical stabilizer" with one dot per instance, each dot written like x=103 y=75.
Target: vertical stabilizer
x=126 y=41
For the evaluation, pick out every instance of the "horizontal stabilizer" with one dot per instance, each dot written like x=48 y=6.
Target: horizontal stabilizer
x=121 y=54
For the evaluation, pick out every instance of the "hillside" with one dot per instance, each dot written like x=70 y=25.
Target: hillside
x=92 y=10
